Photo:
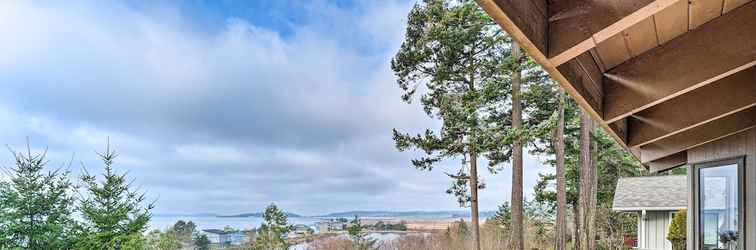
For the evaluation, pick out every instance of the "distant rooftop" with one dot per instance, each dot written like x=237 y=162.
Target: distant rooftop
x=668 y=192
x=219 y=231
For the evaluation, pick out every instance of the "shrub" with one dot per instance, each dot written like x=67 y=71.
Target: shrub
x=678 y=230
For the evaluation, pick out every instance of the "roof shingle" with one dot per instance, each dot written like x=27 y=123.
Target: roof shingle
x=668 y=192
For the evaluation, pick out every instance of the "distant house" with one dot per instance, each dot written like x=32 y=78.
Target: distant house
x=226 y=238
x=656 y=199
x=301 y=230
x=330 y=226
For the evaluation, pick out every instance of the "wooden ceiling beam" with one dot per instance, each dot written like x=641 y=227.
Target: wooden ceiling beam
x=726 y=96
x=669 y=162
x=520 y=19
x=576 y=26
x=715 y=50
x=726 y=126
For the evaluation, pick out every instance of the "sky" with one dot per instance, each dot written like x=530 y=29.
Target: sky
x=225 y=106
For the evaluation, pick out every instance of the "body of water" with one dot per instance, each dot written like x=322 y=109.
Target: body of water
x=212 y=222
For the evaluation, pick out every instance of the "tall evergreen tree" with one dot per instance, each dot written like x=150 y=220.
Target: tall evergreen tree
x=585 y=215
x=271 y=234
x=112 y=209
x=518 y=229
x=610 y=160
x=455 y=58
x=36 y=206
x=560 y=241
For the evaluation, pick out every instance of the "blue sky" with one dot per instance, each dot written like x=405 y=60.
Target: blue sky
x=224 y=106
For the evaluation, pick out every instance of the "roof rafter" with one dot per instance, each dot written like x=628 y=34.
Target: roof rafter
x=581 y=25
x=713 y=51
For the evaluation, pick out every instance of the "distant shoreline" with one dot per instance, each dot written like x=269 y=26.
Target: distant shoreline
x=350 y=214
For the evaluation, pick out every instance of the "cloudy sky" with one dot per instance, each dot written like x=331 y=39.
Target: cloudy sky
x=224 y=106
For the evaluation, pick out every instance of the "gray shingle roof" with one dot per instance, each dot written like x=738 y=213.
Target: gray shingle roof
x=668 y=192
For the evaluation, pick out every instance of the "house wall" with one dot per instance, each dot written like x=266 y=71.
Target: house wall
x=738 y=145
x=655 y=229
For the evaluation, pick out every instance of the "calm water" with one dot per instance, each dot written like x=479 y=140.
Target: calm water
x=210 y=222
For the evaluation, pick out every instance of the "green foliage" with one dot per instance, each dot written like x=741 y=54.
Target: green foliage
x=184 y=230
x=503 y=217
x=678 y=230
x=359 y=237
x=36 y=206
x=168 y=240
x=383 y=226
x=201 y=242
x=112 y=211
x=613 y=163
x=453 y=58
x=270 y=236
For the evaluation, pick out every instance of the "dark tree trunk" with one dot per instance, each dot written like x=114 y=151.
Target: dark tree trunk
x=593 y=195
x=561 y=223
x=517 y=199
x=474 y=199
x=576 y=244
x=586 y=193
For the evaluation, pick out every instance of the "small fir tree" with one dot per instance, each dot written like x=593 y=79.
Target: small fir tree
x=36 y=206
x=271 y=234
x=359 y=237
x=503 y=217
x=201 y=242
x=113 y=211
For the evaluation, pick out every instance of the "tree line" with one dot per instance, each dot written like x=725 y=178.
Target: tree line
x=38 y=207
x=43 y=209
x=494 y=102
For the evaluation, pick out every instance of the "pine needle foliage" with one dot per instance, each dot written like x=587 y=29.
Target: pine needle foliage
x=36 y=206
x=113 y=210
x=271 y=234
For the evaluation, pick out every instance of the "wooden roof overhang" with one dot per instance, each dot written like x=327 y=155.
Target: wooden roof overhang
x=662 y=76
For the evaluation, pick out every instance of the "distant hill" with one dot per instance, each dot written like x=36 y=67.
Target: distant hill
x=406 y=214
x=246 y=215
x=186 y=215
x=350 y=214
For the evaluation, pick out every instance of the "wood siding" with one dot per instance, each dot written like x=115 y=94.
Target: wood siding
x=738 y=145
x=656 y=230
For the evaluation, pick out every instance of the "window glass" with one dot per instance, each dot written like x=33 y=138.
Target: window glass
x=719 y=192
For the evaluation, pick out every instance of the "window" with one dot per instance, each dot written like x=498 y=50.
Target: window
x=719 y=205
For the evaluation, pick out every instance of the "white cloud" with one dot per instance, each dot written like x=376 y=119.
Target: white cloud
x=242 y=107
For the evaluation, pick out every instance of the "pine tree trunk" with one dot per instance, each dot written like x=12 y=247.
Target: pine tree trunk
x=517 y=199
x=474 y=199
x=593 y=195
x=576 y=244
x=586 y=183
x=561 y=223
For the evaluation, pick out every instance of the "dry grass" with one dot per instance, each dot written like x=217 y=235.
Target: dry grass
x=455 y=236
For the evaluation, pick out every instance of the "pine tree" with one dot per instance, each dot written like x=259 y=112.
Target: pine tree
x=201 y=242
x=455 y=58
x=560 y=231
x=518 y=227
x=36 y=206
x=271 y=234
x=359 y=237
x=503 y=219
x=113 y=211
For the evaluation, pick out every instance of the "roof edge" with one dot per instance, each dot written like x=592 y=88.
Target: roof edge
x=630 y=209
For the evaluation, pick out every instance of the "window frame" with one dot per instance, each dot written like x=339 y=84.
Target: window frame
x=697 y=213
